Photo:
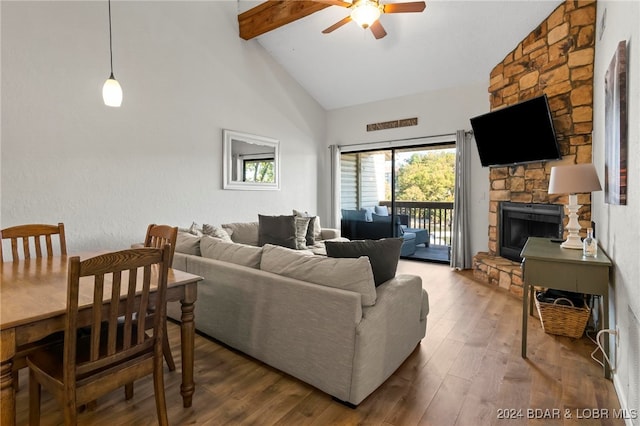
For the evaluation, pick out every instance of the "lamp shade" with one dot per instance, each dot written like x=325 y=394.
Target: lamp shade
x=112 y=92
x=574 y=179
x=365 y=13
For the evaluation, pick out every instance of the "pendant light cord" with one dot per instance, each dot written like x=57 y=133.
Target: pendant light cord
x=110 y=42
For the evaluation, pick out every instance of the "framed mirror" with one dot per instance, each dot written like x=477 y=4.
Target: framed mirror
x=250 y=162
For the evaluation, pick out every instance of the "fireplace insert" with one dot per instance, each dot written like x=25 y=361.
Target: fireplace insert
x=519 y=221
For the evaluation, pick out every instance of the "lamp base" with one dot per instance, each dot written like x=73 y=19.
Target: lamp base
x=572 y=243
x=573 y=240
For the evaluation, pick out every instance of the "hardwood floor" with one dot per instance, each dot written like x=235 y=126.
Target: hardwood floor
x=466 y=371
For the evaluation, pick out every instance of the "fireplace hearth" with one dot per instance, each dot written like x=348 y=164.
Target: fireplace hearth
x=519 y=221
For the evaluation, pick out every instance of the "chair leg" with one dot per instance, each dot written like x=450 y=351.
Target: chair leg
x=166 y=350
x=34 y=400
x=16 y=380
x=161 y=402
x=70 y=410
x=128 y=391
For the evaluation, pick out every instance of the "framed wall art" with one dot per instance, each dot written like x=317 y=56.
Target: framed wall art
x=616 y=128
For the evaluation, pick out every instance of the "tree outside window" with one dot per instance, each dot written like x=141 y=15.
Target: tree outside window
x=258 y=170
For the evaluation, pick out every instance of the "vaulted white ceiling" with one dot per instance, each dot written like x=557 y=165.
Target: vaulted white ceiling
x=452 y=43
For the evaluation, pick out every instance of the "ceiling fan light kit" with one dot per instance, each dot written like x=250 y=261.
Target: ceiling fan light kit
x=365 y=12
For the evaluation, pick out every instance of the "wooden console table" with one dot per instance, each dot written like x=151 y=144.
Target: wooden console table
x=546 y=264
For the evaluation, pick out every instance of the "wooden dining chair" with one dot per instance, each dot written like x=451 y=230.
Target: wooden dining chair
x=112 y=354
x=158 y=236
x=28 y=238
x=28 y=241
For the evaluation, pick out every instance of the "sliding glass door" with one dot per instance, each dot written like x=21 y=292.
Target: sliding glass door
x=401 y=192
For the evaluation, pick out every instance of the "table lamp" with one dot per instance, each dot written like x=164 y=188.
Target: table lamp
x=573 y=179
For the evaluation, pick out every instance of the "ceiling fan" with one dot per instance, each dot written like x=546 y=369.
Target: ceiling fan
x=366 y=13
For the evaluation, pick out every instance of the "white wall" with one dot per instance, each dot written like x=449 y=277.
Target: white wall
x=439 y=112
x=618 y=227
x=186 y=75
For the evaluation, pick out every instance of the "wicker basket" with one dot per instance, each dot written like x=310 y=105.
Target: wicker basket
x=563 y=320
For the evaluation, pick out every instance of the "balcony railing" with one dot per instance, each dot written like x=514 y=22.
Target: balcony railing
x=434 y=216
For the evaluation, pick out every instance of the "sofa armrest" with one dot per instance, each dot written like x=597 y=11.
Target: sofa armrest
x=388 y=333
x=401 y=296
x=330 y=233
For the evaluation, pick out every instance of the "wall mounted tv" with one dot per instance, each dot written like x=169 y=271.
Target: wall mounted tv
x=519 y=133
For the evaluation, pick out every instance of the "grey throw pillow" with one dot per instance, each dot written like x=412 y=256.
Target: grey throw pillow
x=302 y=230
x=216 y=232
x=314 y=230
x=277 y=230
x=383 y=255
x=194 y=229
x=381 y=210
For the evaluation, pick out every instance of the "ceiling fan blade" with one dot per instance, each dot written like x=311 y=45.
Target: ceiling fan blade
x=378 y=30
x=337 y=25
x=413 y=6
x=334 y=3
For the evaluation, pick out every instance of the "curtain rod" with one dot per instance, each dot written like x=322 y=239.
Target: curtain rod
x=395 y=141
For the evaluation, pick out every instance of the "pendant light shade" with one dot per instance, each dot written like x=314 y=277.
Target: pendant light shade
x=111 y=91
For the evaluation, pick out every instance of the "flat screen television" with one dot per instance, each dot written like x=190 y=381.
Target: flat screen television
x=519 y=133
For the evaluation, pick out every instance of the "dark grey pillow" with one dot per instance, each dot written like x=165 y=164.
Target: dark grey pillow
x=310 y=237
x=277 y=230
x=383 y=255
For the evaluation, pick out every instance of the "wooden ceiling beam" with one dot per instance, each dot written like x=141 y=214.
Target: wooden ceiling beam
x=274 y=14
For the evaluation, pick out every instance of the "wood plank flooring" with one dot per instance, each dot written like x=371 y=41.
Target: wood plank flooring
x=466 y=371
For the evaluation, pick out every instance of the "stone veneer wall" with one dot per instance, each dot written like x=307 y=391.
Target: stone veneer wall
x=555 y=59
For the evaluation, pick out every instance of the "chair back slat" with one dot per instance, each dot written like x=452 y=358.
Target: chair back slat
x=111 y=342
x=47 y=239
x=96 y=328
x=24 y=238
x=143 y=311
x=113 y=313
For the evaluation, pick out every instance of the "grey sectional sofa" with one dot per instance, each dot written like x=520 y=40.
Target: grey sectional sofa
x=319 y=319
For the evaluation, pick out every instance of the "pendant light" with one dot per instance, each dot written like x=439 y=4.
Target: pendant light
x=111 y=91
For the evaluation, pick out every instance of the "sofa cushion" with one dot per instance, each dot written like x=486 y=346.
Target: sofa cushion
x=277 y=230
x=216 y=232
x=188 y=243
x=348 y=274
x=240 y=254
x=242 y=232
x=383 y=255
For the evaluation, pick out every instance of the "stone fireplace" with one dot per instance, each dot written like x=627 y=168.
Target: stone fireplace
x=555 y=59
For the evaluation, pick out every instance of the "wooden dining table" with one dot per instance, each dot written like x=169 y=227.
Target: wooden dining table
x=33 y=304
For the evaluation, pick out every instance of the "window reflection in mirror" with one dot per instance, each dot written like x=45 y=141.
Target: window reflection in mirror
x=250 y=162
